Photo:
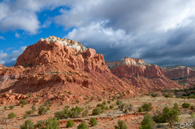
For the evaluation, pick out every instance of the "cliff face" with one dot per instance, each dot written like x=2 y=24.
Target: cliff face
x=52 y=66
x=141 y=74
x=176 y=72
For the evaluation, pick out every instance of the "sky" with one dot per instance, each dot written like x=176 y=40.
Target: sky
x=160 y=32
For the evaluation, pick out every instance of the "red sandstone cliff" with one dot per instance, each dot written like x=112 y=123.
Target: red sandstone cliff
x=141 y=74
x=61 y=70
x=181 y=74
x=176 y=72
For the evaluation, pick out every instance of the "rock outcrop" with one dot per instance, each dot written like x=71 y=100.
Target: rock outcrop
x=176 y=72
x=141 y=74
x=63 y=69
x=180 y=74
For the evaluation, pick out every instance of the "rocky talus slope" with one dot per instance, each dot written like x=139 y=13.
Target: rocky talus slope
x=59 y=70
x=142 y=75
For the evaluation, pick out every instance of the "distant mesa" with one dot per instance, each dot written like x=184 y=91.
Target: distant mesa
x=141 y=74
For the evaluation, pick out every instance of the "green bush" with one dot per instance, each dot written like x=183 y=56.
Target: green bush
x=118 y=102
x=186 y=105
x=25 y=116
x=108 y=101
x=121 y=125
x=167 y=95
x=192 y=107
x=111 y=106
x=33 y=107
x=84 y=113
x=42 y=110
x=192 y=115
x=147 y=106
x=93 y=122
x=96 y=111
x=154 y=94
x=70 y=123
x=62 y=114
x=107 y=108
x=52 y=123
x=167 y=115
x=147 y=122
x=11 y=107
x=176 y=108
x=83 y=125
x=40 y=124
x=22 y=105
x=140 y=109
x=104 y=103
x=29 y=112
x=73 y=113
x=11 y=115
x=23 y=102
x=27 y=125
x=5 y=107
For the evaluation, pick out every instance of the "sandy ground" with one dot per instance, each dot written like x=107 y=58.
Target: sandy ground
x=107 y=119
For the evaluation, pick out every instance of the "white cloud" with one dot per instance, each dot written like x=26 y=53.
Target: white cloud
x=10 y=58
x=22 y=14
x=17 y=35
x=1 y=37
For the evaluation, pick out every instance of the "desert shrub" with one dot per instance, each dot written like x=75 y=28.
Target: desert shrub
x=52 y=123
x=118 y=102
x=25 y=116
x=186 y=105
x=40 y=124
x=129 y=107
x=191 y=96
x=104 y=103
x=27 y=125
x=11 y=115
x=111 y=106
x=96 y=111
x=84 y=113
x=154 y=94
x=33 y=107
x=92 y=97
x=192 y=107
x=29 y=112
x=93 y=122
x=77 y=101
x=140 y=109
x=11 y=107
x=167 y=94
x=167 y=115
x=192 y=115
x=42 y=110
x=62 y=114
x=5 y=107
x=121 y=125
x=147 y=122
x=83 y=125
x=108 y=101
x=147 y=106
x=75 y=111
x=22 y=105
x=107 y=108
x=23 y=102
x=176 y=108
x=121 y=106
x=70 y=123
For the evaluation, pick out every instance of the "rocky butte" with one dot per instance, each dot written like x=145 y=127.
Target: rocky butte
x=140 y=74
x=181 y=74
x=54 y=66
